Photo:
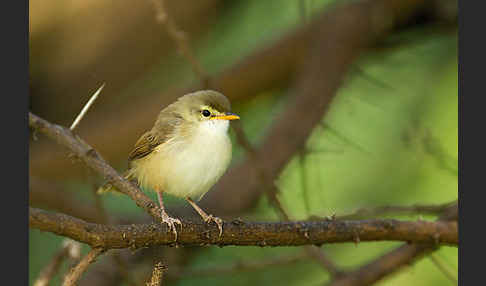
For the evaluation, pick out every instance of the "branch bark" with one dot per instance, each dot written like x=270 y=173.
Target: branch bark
x=75 y=273
x=93 y=160
x=156 y=279
x=244 y=233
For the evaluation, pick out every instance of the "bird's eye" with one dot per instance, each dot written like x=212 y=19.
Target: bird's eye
x=206 y=113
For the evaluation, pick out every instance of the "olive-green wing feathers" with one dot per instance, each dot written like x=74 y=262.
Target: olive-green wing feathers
x=159 y=134
x=145 y=145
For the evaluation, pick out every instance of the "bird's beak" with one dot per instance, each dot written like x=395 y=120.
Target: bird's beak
x=227 y=116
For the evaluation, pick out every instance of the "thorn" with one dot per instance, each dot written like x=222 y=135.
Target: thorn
x=86 y=107
x=306 y=234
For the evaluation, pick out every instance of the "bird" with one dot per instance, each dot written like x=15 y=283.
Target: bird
x=185 y=153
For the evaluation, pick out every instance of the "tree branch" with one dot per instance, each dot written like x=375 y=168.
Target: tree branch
x=69 y=248
x=93 y=160
x=386 y=264
x=156 y=279
x=75 y=273
x=244 y=233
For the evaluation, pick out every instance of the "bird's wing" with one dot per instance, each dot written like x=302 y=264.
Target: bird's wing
x=145 y=145
x=163 y=129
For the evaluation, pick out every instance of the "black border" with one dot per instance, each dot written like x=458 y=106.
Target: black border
x=15 y=136
x=471 y=50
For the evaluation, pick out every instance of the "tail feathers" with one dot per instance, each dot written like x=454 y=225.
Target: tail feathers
x=108 y=187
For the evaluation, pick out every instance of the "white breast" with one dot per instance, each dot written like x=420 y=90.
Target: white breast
x=188 y=168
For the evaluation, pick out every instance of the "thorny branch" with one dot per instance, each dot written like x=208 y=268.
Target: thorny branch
x=339 y=71
x=242 y=233
x=93 y=160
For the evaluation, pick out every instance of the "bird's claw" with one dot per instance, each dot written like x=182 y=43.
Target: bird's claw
x=171 y=222
x=217 y=221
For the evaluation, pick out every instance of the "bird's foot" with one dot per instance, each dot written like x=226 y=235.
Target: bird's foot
x=216 y=220
x=171 y=222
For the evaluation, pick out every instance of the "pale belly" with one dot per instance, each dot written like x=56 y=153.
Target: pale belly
x=185 y=170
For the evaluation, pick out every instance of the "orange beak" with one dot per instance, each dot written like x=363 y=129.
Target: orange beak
x=227 y=116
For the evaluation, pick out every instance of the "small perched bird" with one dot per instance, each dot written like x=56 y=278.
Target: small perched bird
x=186 y=151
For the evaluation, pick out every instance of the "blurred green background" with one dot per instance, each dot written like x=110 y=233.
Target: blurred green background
x=389 y=138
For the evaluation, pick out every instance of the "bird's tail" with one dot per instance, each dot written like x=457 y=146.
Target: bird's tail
x=108 y=187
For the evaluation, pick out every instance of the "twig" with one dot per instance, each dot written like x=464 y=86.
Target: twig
x=93 y=160
x=180 y=38
x=86 y=107
x=75 y=273
x=447 y=272
x=156 y=279
x=321 y=257
x=51 y=268
x=241 y=233
x=117 y=259
x=71 y=249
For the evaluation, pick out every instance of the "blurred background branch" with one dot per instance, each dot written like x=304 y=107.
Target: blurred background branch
x=392 y=261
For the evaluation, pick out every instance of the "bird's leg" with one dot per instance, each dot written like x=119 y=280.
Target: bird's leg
x=170 y=221
x=207 y=218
